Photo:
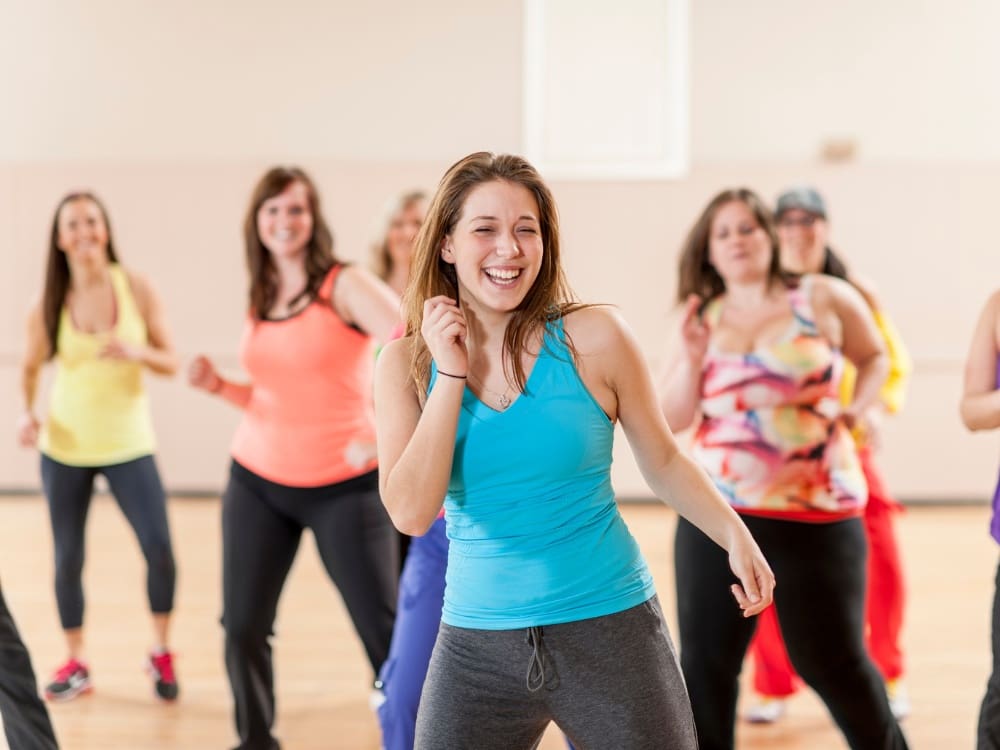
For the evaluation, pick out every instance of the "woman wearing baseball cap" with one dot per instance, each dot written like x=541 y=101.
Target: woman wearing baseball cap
x=803 y=235
x=757 y=370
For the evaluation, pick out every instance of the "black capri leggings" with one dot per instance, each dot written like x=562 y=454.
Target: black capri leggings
x=820 y=600
x=137 y=489
x=262 y=523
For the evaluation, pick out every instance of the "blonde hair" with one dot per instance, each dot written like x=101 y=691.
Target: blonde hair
x=381 y=260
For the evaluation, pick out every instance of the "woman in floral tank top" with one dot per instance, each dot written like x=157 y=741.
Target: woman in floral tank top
x=758 y=371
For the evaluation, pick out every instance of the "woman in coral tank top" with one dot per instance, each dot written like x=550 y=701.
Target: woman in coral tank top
x=301 y=457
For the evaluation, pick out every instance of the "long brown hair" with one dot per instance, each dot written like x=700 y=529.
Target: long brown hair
x=319 y=251
x=381 y=260
x=696 y=274
x=549 y=298
x=834 y=265
x=57 y=268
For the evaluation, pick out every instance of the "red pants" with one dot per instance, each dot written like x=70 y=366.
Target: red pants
x=774 y=674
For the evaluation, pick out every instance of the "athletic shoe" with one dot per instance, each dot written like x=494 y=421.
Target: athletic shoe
x=766 y=710
x=899 y=698
x=160 y=666
x=69 y=681
x=377 y=696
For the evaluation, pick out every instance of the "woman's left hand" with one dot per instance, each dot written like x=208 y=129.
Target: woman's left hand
x=755 y=591
x=360 y=453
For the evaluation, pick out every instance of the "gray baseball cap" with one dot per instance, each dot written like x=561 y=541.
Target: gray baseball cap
x=802 y=197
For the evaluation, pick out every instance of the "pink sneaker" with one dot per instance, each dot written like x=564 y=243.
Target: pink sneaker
x=69 y=681
x=161 y=668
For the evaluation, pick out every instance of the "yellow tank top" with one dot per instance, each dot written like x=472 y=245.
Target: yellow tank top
x=893 y=392
x=99 y=412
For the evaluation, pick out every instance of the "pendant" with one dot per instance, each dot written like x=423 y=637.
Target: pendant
x=504 y=400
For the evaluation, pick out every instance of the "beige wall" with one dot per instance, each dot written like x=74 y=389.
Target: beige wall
x=171 y=111
x=911 y=80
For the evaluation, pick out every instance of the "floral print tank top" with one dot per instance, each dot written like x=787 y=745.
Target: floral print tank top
x=771 y=436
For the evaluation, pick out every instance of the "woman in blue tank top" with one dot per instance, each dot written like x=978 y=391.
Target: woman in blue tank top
x=981 y=411
x=500 y=404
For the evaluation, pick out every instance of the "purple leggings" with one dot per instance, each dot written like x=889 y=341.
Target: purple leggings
x=418 y=615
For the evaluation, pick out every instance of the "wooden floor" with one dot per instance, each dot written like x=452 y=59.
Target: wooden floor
x=322 y=676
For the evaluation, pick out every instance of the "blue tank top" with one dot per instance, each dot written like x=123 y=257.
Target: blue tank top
x=535 y=535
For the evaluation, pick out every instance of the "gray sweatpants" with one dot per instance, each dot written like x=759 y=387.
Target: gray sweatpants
x=607 y=682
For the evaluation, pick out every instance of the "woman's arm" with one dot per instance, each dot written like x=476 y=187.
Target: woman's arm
x=203 y=375
x=158 y=354
x=980 y=406
x=35 y=354
x=361 y=298
x=610 y=355
x=845 y=318
x=680 y=390
x=416 y=446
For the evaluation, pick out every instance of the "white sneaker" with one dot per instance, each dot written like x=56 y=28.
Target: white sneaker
x=766 y=710
x=376 y=697
x=899 y=699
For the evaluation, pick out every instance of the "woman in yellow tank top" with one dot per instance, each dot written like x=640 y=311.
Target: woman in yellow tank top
x=102 y=326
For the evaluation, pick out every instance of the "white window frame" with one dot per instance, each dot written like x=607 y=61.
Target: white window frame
x=672 y=163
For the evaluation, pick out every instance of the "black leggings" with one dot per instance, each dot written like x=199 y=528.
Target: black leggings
x=988 y=730
x=820 y=599
x=25 y=720
x=137 y=489
x=262 y=523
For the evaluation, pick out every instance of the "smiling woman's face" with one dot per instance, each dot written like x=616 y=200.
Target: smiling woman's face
x=496 y=245
x=738 y=246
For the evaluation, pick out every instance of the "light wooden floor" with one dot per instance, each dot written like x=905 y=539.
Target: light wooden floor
x=321 y=673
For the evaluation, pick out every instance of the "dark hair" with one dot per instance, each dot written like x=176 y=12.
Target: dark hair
x=548 y=299
x=833 y=265
x=57 y=268
x=696 y=274
x=319 y=250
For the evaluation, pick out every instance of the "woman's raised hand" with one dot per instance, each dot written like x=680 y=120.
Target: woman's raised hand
x=444 y=329
x=694 y=332
x=202 y=374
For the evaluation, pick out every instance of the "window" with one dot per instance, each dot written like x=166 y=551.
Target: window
x=606 y=88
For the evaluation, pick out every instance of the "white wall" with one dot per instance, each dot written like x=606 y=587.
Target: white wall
x=212 y=80
x=171 y=112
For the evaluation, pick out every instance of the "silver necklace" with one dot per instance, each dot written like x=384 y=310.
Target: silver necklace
x=502 y=399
